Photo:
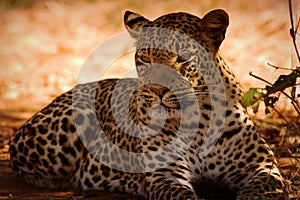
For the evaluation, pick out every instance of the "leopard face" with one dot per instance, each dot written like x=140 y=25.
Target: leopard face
x=181 y=52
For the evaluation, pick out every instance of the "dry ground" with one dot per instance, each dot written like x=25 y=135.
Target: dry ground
x=44 y=44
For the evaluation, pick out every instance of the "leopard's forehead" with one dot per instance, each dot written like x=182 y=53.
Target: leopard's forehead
x=175 y=33
x=166 y=41
x=175 y=27
x=182 y=22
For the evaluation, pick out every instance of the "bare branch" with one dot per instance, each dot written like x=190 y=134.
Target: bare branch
x=277 y=67
x=261 y=79
x=292 y=30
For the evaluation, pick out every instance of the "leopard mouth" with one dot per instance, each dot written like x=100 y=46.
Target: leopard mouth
x=173 y=106
x=165 y=103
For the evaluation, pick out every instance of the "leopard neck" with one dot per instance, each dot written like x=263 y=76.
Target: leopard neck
x=233 y=88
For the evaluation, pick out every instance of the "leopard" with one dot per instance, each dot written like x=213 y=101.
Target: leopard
x=177 y=131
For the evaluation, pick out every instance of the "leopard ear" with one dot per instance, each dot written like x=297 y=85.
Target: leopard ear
x=215 y=23
x=134 y=22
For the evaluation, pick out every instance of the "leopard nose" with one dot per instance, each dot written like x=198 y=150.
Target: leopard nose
x=159 y=90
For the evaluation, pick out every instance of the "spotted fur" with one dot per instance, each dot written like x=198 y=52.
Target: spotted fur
x=178 y=131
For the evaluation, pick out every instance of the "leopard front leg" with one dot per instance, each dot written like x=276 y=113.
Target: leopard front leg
x=160 y=186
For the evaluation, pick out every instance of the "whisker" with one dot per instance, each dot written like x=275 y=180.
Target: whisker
x=198 y=93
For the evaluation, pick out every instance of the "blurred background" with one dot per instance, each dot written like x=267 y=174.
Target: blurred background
x=44 y=43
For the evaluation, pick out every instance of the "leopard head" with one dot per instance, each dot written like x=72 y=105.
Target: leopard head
x=174 y=54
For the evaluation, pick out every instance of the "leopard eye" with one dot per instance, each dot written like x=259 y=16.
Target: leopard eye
x=145 y=59
x=183 y=58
